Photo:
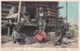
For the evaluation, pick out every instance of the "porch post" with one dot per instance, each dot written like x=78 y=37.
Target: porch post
x=19 y=10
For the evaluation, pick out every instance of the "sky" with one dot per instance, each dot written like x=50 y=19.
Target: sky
x=72 y=11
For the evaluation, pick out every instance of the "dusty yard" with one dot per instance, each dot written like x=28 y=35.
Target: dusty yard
x=7 y=43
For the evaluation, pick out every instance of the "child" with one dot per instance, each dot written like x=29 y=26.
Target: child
x=18 y=36
x=40 y=35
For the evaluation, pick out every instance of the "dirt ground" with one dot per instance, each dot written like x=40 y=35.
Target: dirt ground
x=7 y=43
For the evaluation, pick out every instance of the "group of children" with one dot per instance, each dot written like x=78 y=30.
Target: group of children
x=39 y=35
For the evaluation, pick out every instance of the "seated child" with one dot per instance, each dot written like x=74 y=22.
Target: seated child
x=18 y=36
x=40 y=35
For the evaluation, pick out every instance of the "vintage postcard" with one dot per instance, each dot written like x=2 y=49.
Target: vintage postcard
x=40 y=25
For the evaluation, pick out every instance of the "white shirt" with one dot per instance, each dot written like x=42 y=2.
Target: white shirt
x=41 y=14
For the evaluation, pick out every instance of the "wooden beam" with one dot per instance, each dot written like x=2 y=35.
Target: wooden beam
x=25 y=17
x=9 y=28
x=19 y=9
x=4 y=14
x=9 y=5
x=6 y=9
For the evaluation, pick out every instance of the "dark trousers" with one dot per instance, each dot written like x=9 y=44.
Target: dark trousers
x=42 y=24
x=20 y=40
x=60 y=36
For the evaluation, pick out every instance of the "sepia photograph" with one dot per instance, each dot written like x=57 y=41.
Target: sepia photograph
x=44 y=24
